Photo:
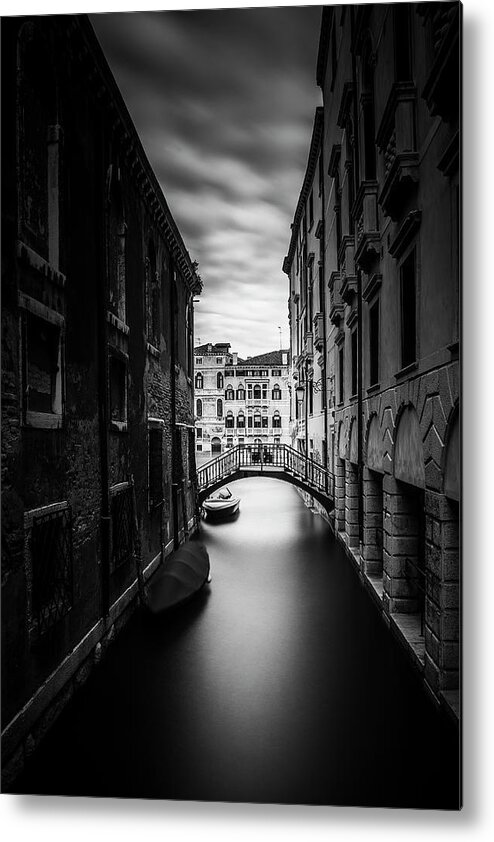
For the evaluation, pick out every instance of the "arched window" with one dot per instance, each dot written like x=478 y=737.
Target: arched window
x=229 y=420
x=229 y=394
x=257 y=419
x=199 y=381
x=199 y=408
x=219 y=380
x=240 y=393
x=257 y=392
x=277 y=420
x=276 y=393
x=219 y=408
x=241 y=420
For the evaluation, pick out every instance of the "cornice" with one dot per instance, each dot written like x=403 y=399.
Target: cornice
x=107 y=92
x=406 y=232
x=314 y=149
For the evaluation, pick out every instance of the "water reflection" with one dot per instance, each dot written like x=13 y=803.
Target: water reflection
x=279 y=683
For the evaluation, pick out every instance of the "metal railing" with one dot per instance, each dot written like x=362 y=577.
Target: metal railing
x=263 y=458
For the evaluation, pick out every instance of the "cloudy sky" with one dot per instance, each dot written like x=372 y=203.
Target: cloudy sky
x=224 y=102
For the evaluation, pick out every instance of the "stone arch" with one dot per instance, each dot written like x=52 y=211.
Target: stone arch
x=373 y=445
x=353 y=442
x=408 y=453
x=342 y=440
x=451 y=459
x=215 y=446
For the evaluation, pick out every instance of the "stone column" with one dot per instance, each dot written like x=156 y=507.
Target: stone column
x=351 y=504
x=339 y=495
x=372 y=550
x=401 y=547
x=442 y=628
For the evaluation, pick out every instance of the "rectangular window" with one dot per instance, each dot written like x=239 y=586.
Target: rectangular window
x=198 y=360
x=199 y=432
x=374 y=343
x=219 y=360
x=276 y=372
x=354 y=362
x=49 y=541
x=43 y=342
x=118 y=389
x=122 y=524
x=408 y=311
x=155 y=456
x=341 y=374
x=334 y=58
x=403 y=61
x=229 y=441
x=264 y=421
x=42 y=361
x=249 y=421
x=199 y=447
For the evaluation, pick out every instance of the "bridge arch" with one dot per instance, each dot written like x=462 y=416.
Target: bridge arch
x=274 y=461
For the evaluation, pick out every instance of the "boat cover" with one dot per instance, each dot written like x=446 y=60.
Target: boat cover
x=183 y=574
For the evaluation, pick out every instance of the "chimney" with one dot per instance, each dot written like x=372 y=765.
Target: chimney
x=284 y=358
x=235 y=357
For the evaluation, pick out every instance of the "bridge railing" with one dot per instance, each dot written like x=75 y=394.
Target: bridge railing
x=263 y=457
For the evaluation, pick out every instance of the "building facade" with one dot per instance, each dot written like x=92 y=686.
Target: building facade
x=97 y=381
x=240 y=402
x=389 y=76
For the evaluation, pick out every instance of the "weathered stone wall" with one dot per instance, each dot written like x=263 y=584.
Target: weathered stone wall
x=57 y=274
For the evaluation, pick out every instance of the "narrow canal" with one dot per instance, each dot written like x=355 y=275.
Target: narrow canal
x=280 y=683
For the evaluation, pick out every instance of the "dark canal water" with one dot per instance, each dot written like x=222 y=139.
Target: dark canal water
x=280 y=683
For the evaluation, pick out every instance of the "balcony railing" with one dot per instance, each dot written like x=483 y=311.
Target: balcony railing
x=265 y=457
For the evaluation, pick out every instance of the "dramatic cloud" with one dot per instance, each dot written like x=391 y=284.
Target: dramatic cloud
x=224 y=102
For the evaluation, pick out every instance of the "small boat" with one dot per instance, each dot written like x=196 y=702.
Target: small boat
x=183 y=574
x=221 y=504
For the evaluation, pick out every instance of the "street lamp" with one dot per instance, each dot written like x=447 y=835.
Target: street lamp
x=300 y=392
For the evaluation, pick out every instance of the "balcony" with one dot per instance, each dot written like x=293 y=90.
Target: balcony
x=348 y=289
x=309 y=345
x=365 y=214
x=396 y=141
x=318 y=330
x=336 y=308
x=346 y=255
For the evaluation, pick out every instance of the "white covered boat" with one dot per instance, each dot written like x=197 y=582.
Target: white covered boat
x=221 y=504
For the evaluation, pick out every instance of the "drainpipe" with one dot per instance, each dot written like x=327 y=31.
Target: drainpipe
x=103 y=405
x=173 y=406
x=359 y=294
